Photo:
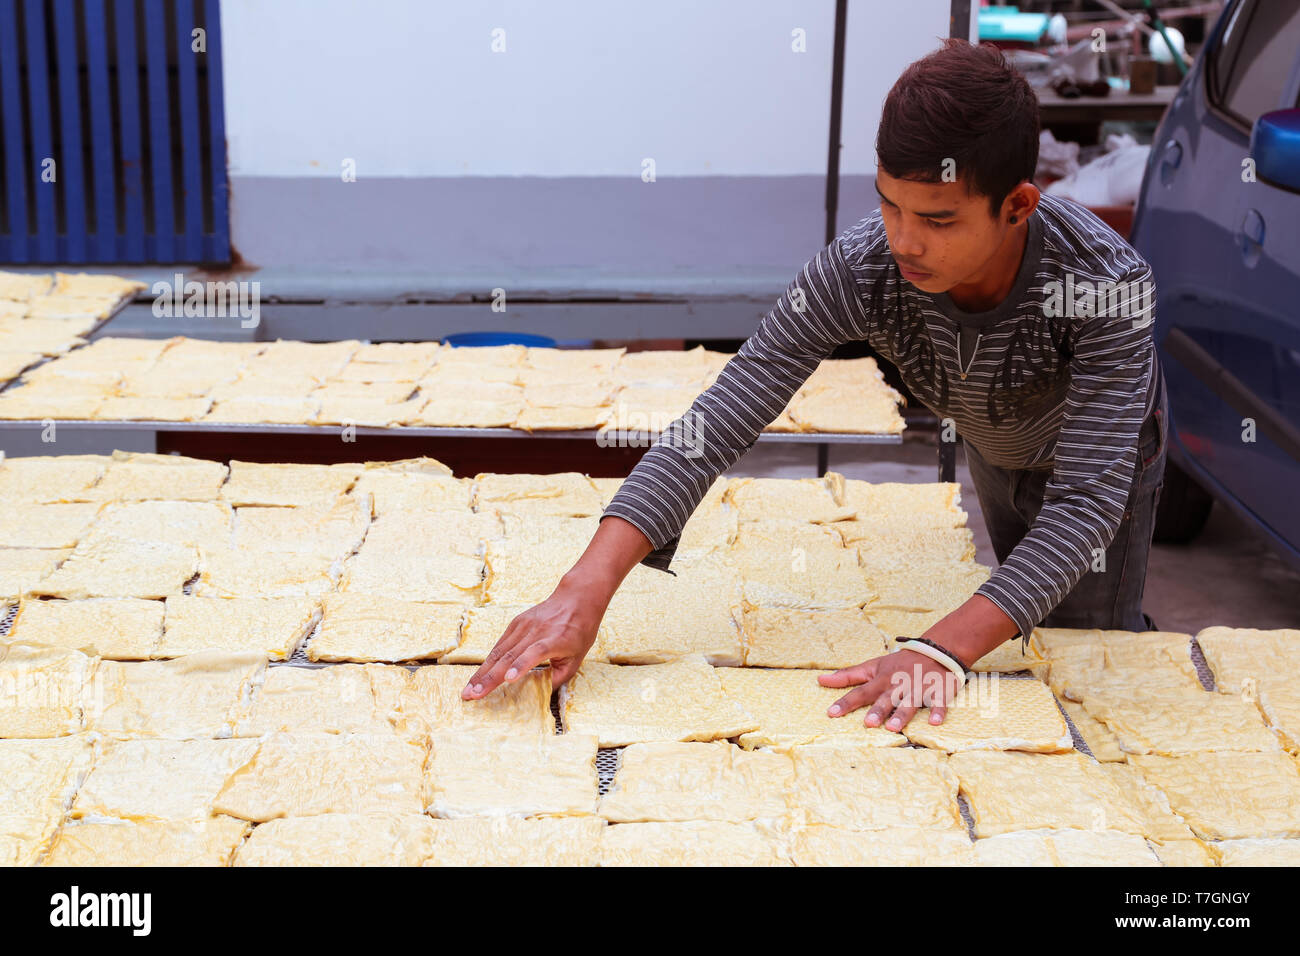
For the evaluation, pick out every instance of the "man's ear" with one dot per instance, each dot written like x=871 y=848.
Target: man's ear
x=1020 y=203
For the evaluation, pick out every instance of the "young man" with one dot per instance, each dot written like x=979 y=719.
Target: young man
x=978 y=289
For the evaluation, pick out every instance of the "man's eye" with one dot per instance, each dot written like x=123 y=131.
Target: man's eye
x=939 y=225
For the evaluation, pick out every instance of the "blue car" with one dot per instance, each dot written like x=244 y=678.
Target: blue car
x=1219 y=222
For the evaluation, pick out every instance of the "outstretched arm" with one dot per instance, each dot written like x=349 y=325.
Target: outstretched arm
x=818 y=311
x=563 y=627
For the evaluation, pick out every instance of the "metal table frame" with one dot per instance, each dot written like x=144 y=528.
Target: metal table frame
x=416 y=431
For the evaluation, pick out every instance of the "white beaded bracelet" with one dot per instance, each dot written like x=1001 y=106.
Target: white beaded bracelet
x=938 y=656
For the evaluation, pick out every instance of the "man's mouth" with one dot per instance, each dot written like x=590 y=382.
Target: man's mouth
x=912 y=274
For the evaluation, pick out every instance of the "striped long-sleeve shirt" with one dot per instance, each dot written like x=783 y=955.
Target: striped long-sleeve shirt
x=1063 y=375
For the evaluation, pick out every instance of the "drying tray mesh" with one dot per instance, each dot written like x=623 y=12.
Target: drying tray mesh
x=299 y=655
x=1202 y=667
x=7 y=621
x=606 y=764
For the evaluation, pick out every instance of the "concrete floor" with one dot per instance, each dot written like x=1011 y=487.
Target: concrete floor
x=1227 y=576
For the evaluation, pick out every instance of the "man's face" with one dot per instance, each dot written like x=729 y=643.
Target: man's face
x=940 y=235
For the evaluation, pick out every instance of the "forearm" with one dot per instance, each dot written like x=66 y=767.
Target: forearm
x=615 y=549
x=974 y=629
x=817 y=312
x=563 y=628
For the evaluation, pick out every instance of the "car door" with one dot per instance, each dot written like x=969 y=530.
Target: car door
x=1225 y=249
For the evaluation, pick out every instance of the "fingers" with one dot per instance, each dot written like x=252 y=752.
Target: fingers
x=858 y=674
x=508 y=666
x=488 y=676
x=901 y=716
x=893 y=703
x=527 y=657
x=564 y=668
x=880 y=709
x=858 y=697
x=935 y=698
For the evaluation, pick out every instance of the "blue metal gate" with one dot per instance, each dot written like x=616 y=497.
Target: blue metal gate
x=112 y=138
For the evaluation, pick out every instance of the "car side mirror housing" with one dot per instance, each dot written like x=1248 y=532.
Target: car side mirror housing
x=1275 y=147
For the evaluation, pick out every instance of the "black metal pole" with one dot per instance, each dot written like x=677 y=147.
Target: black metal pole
x=947 y=458
x=837 y=101
x=958 y=26
x=959 y=19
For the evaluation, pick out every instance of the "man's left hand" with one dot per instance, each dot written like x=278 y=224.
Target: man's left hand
x=895 y=686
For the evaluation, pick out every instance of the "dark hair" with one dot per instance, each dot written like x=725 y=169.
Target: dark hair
x=965 y=103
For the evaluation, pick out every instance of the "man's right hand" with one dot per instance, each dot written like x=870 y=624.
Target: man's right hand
x=561 y=630
x=563 y=627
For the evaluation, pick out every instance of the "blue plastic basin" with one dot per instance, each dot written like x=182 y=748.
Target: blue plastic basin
x=472 y=339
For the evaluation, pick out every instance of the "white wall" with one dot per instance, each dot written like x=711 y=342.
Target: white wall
x=585 y=87
x=881 y=38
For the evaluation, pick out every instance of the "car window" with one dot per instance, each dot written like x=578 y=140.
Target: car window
x=1250 y=67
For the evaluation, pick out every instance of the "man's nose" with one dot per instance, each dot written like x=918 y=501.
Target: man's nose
x=907 y=242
